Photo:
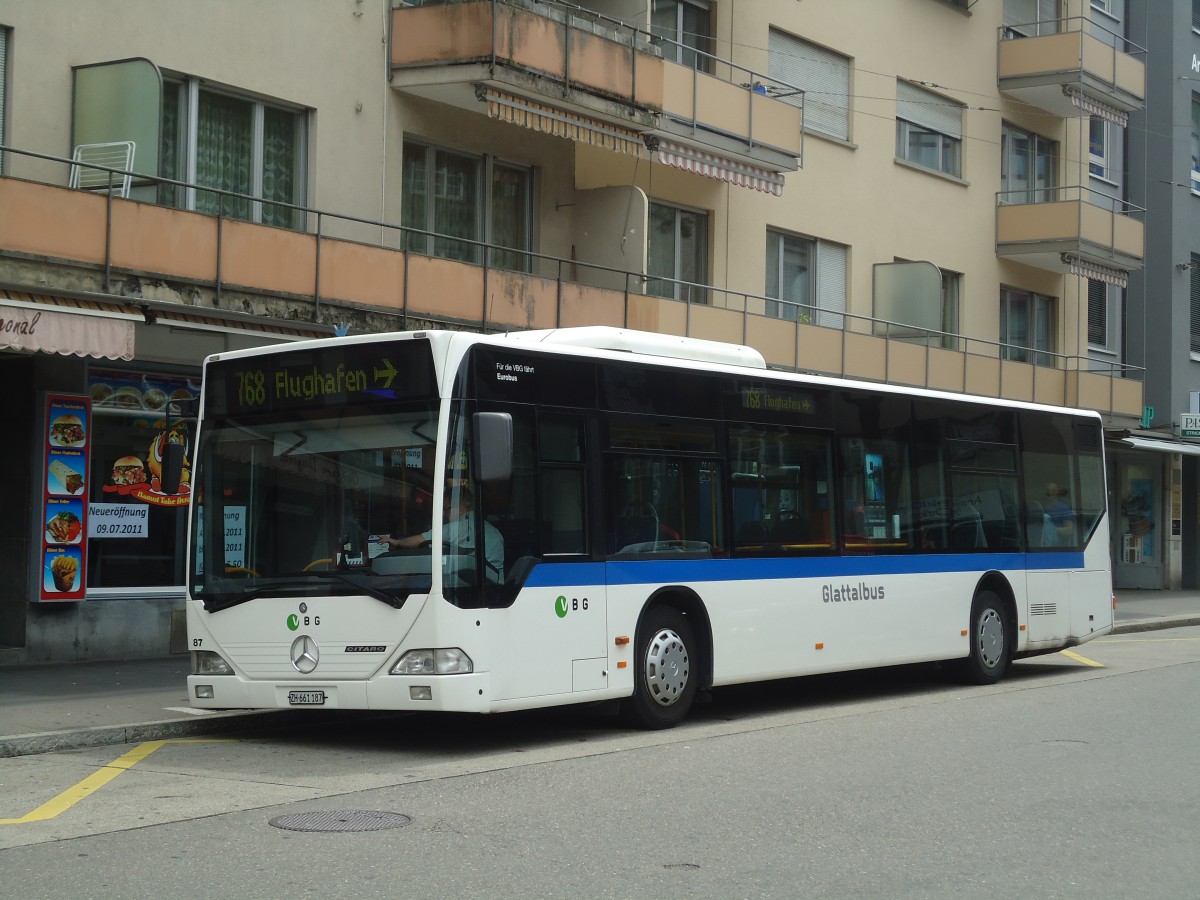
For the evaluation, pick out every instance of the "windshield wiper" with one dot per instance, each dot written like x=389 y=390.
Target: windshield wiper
x=214 y=603
x=389 y=599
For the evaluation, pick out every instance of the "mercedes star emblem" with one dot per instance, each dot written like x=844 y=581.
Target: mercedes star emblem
x=305 y=654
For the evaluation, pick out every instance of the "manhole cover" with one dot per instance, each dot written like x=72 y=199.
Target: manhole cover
x=341 y=820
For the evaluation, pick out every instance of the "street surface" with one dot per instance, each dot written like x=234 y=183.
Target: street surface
x=1076 y=777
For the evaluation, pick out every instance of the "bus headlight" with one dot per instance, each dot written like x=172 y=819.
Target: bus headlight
x=442 y=661
x=205 y=662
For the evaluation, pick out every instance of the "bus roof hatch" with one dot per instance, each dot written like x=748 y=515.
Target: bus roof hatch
x=606 y=337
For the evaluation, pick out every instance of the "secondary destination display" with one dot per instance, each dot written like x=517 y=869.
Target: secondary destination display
x=349 y=374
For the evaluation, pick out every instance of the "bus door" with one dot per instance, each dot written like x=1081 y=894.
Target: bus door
x=549 y=610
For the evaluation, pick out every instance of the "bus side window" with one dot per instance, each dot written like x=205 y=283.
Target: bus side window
x=561 y=454
x=780 y=490
x=876 y=497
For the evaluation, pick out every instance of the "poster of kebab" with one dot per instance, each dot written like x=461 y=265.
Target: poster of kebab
x=64 y=550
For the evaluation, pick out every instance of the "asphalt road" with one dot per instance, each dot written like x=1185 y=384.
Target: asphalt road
x=1075 y=777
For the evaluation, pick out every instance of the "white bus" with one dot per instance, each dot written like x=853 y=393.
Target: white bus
x=478 y=523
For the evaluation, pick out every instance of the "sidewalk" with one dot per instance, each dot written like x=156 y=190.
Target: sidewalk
x=87 y=704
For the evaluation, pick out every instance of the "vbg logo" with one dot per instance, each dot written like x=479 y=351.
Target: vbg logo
x=562 y=605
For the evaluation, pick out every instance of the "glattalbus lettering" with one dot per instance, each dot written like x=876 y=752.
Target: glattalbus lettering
x=319 y=384
x=845 y=593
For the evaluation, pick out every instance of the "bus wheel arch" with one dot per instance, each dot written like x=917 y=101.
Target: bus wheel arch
x=991 y=631
x=672 y=659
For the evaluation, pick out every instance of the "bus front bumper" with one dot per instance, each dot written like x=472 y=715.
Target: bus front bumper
x=430 y=693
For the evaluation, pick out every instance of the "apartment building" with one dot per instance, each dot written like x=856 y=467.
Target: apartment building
x=924 y=192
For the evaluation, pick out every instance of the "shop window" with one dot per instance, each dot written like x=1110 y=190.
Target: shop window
x=135 y=415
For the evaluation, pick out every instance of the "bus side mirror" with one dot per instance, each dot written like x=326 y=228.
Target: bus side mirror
x=172 y=467
x=493 y=439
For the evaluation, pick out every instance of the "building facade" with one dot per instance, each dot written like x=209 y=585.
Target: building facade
x=1159 y=480
x=929 y=192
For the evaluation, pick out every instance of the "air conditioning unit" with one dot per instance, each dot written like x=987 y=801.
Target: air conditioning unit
x=1131 y=549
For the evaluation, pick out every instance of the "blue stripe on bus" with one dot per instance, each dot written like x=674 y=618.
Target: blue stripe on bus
x=682 y=571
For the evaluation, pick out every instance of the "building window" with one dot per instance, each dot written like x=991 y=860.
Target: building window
x=1195 y=313
x=677 y=256
x=247 y=146
x=1196 y=15
x=1029 y=18
x=823 y=75
x=1028 y=167
x=806 y=279
x=687 y=24
x=1028 y=327
x=951 y=290
x=1196 y=143
x=1097 y=315
x=1098 y=144
x=3 y=89
x=452 y=215
x=928 y=129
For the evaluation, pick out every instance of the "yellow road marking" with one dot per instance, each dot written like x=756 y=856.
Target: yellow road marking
x=97 y=780
x=1082 y=659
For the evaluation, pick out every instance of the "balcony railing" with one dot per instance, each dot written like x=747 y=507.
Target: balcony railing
x=581 y=62
x=1050 y=227
x=224 y=265
x=1072 y=67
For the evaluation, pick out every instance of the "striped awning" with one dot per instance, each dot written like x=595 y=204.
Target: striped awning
x=1094 y=107
x=1097 y=272
x=559 y=122
x=69 y=326
x=709 y=164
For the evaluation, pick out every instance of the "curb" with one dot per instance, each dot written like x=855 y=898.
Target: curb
x=104 y=735
x=273 y=719
x=1155 y=624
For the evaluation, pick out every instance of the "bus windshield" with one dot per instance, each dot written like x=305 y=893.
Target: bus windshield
x=302 y=505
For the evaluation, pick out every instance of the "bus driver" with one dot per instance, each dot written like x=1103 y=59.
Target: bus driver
x=459 y=534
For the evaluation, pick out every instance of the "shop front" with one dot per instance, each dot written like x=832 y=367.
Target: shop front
x=1155 y=531
x=96 y=568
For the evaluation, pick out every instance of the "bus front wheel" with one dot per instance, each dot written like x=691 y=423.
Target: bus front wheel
x=665 y=675
x=991 y=641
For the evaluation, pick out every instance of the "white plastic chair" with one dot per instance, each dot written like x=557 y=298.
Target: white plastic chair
x=111 y=155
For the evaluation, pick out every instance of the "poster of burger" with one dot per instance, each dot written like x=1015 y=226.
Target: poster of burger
x=145 y=473
x=63 y=517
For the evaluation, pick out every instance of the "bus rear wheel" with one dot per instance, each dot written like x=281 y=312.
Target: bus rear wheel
x=991 y=641
x=665 y=676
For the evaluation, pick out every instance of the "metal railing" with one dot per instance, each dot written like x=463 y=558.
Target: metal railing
x=564 y=272
x=641 y=40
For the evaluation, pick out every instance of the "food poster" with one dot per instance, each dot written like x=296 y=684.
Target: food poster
x=63 y=511
x=149 y=412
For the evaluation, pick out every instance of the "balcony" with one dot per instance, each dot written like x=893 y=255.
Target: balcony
x=180 y=266
x=599 y=81
x=1071 y=230
x=1080 y=68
